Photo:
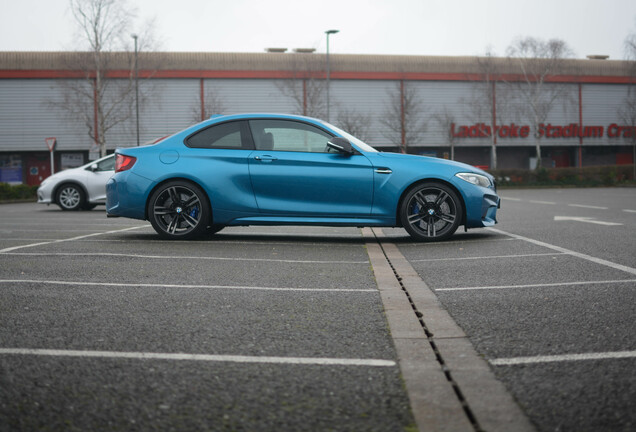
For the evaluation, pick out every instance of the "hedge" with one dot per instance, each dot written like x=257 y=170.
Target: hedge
x=19 y=192
x=581 y=177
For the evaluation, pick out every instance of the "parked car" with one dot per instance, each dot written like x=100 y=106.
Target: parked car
x=79 y=188
x=275 y=169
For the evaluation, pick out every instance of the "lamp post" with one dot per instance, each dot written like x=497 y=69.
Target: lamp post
x=134 y=36
x=328 y=32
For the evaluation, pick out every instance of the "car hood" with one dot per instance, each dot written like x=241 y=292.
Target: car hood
x=67 y=172
x=459 y=166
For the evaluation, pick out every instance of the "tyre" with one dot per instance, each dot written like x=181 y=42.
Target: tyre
x=70 y=197
x=431 y=212
x=179 y=210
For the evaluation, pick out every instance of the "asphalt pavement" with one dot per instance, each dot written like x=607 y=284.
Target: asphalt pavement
x=103 y=326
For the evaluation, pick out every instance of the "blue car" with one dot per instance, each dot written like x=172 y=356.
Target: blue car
x=275 y=169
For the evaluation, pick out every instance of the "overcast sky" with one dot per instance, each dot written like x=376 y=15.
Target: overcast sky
x=413 y=27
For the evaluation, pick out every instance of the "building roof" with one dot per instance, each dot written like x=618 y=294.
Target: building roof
x=286 y=65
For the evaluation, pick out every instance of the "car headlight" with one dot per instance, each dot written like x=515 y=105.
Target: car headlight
x=476 y=179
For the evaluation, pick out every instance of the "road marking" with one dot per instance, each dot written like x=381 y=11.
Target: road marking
x=214 y=241
x=511 y=199
x=587 y=206
x=487 y=257
x=148 y=285
x=543 y=202
x=629 y=211
x=585 y=219
x=543 y=285
x=450 y=242
x=317 y=361
x=108 y=254
x=600 y=261
x=10 y=249
x=561 y=358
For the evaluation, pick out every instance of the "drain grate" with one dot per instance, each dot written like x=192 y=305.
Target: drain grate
x=440 y=359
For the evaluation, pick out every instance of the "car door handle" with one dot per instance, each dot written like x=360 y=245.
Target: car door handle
x=383 y=171
x=265 y=158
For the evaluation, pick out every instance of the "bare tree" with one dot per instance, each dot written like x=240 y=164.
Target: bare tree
x=445 y=119
x=98 y=99
x=404 y=116
x=306 y=88
x=488 y=102
x=536 y=61
x=212 y=103
x=354 y=122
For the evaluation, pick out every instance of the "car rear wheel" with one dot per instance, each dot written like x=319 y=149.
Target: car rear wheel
x=70 y=197
x=431 y=212
x=179 y=210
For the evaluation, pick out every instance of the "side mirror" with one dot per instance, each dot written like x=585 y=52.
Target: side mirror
x=93 y=167
x=341 y=145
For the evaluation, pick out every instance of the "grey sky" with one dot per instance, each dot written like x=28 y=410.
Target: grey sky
x=415 y=27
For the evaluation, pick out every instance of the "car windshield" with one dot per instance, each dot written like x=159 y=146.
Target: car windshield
x=357 y=142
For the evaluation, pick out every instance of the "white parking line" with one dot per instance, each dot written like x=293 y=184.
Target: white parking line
x=427 y=245
x=487 y=257
x=561 y=358
x=148 y=285
x=585 y=219
x=600 y=261
x=10 y=249
x=543 y=285
x=543 y=202
x=175 y=257
x=316 y=361
x=629 y=211
x=587 y=206
x=214 y=241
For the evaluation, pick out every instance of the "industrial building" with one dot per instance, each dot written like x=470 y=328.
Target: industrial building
x=452 y=107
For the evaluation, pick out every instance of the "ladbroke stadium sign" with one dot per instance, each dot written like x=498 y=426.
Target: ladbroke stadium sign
x=573 y=130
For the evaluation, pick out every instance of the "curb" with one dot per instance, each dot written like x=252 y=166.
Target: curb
x=450 y=386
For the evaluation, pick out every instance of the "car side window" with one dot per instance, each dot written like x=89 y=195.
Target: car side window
x=286 y=135
x=106 y=164
x=222 y=136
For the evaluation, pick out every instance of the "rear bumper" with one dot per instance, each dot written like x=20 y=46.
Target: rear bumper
x=126 y=196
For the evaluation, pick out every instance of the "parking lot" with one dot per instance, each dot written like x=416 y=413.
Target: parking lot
x=103 y=326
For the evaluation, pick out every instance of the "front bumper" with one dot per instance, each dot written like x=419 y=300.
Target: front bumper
x=481 y=208
x=44 y=195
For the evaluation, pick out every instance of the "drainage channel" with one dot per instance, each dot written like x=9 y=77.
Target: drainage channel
x=450 y=386
x=438 y=355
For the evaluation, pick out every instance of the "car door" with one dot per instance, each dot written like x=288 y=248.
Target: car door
x=97 y=176
x=293 y=173
x=217 y=158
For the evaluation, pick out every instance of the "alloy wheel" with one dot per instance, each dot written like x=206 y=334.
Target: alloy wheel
x=179 y=210
x=431 y=212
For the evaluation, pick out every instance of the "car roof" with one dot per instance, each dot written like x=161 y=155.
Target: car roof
x=216 y=118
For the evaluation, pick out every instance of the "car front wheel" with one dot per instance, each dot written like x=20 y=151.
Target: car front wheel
x=431 y=212
x=179 y=210
x=70 y=197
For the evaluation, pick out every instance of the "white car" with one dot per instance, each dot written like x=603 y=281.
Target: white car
x=79 y=188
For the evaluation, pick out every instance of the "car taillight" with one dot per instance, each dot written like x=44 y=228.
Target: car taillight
x=123 y=162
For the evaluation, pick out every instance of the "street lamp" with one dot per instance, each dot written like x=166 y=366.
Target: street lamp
x=134 y=36
x=328 y=32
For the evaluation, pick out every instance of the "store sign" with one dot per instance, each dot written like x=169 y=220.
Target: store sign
x=512 y=130
x=11 y=169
